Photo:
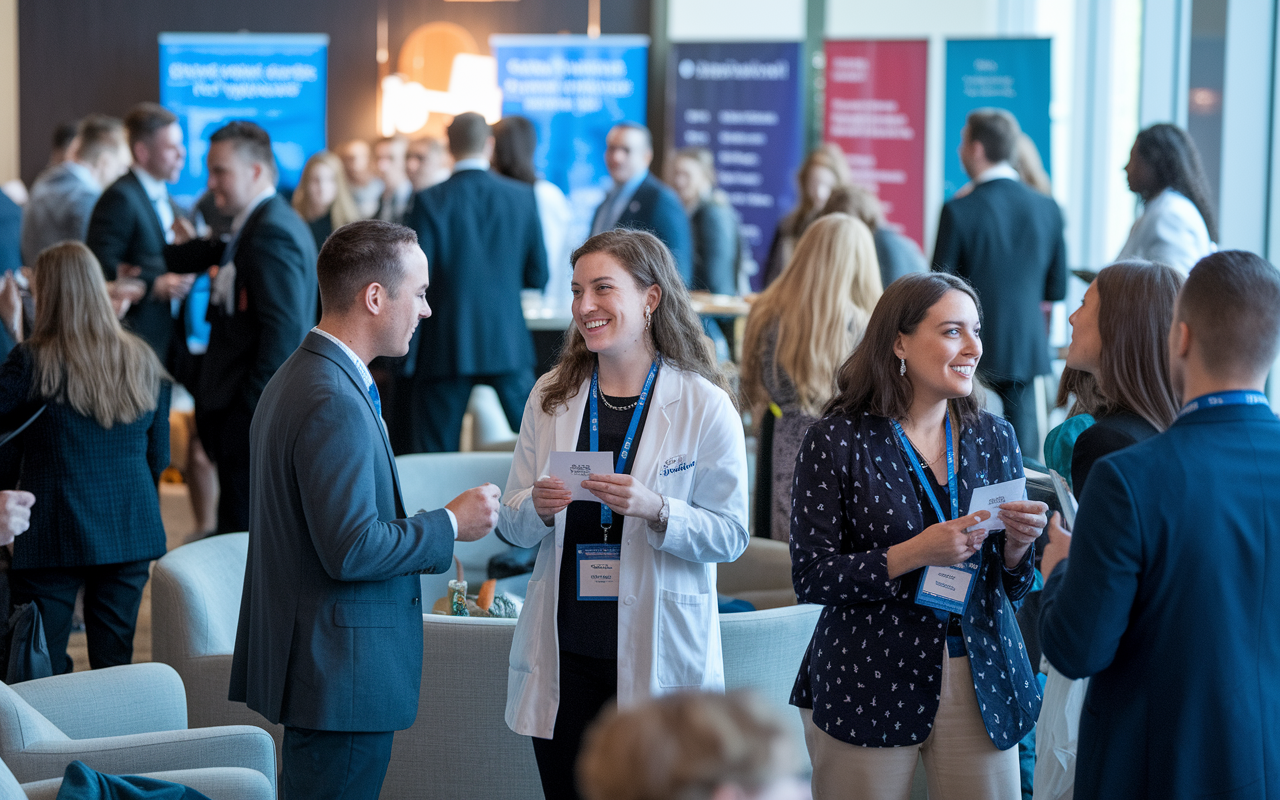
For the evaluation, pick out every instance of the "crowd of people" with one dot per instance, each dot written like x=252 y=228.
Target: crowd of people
x=321 y=335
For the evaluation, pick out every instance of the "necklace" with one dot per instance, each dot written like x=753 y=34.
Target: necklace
x=920 y=450
x=629 y=406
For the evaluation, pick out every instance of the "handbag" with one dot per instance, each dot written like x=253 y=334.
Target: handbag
x=28 y=649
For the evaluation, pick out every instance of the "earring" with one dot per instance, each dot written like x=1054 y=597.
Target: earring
x=647 y=317
x=902 y=370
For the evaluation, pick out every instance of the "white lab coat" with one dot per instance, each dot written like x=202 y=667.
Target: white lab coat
x=692 y=451
x=1170 y=231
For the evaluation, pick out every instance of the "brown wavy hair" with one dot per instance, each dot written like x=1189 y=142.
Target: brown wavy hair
x=869 y=381
x=675 y=329
x=1135 y=311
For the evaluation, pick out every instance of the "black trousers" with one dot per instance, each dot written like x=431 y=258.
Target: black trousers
x=319 y=765
x=112 y=594
x=1019 y=398
x=439 y=403
x=586 y=685
x=224 y=433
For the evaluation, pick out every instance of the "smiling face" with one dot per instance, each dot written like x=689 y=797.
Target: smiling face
x=1085 y=352
x=608 y=307
x=407 y=305
x=943 y=352
x=627 y=153
x=162 y=154
x=234 y=179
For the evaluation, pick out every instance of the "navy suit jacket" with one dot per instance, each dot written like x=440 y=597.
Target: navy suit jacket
x=1170 y=601
x=656 y=209
x=124 y=228
x=1006 y=239
x=330 y=634
x=483 y=241
x=10 y=234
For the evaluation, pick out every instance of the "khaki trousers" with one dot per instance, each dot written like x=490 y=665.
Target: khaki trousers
x=959 y=758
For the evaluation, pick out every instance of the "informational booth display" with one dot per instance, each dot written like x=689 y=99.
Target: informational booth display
x=875 y=110
x=1013 y=74
x=743 y=103
x=275 y=80
x=573 y=89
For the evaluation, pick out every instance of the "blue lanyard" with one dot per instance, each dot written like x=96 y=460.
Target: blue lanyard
x=1237 y=398
x=928 y=487
x=606 y=513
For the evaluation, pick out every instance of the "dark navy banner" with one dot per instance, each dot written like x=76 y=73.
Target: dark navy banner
x=743 y=103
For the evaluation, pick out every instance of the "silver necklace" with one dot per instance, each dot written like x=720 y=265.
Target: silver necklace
x=612 y=407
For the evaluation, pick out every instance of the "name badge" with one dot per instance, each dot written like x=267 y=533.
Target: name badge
x=598 y=568
x=948 y=588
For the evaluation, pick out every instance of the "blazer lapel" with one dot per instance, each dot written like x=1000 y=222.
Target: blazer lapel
x=153 y=216
x=666 y=392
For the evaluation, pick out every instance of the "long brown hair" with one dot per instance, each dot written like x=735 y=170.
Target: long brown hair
x=821 y=305
x=675 y=327
x=869 y=381
x=829 y=156
x=1083 y=387
x=82 y=356
x=1135 y=312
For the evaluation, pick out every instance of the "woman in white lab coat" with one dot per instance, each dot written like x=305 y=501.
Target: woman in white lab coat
x=622 y=600
x=1177 y=227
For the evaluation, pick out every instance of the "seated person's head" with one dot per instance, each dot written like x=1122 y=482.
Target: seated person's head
x=1226 y=326
x=374 y=274
x=690 y=746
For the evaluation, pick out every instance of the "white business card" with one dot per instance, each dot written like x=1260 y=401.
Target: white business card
x=575 y=466
x=991 y=498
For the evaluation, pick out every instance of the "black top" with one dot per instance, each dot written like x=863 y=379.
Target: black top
x=321 y=227
x=590 y=627
x=1108 y=433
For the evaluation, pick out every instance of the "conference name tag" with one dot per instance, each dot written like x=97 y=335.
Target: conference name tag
x=598 y=569
x=948 y=588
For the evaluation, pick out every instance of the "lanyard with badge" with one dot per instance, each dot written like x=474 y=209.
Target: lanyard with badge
x=943 y=588
x=598 y=564
x=1241 y=397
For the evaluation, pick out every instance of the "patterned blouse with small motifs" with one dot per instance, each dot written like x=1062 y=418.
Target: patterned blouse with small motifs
x=873 y=671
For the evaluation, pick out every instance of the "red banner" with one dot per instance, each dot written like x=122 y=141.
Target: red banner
x=876 y=113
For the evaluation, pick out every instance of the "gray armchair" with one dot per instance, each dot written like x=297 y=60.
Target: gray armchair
x=122 y=720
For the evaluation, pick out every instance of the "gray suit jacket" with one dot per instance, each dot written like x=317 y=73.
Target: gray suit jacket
x=330 y=634
x=59 y=209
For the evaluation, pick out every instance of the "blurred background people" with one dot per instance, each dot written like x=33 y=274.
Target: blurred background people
x=365 y=186
x=896 y=254
x=428 y=162
x=322 y=198
x=825 y=169
x=800 y=330
x=1031 y=167
x=717 y=243
x=397 y=190
x=93 y=459
x=1177 y=226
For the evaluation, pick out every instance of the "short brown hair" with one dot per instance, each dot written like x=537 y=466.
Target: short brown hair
x=145 y=119
x=868 y=381
x=997 y=130
x=1231 y=302
x=98 y=133
x=359 y=254
x=467 y=134
x=250 y=140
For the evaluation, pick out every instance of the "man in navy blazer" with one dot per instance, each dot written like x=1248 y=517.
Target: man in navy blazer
x=330 y=634
x=1171 y=597
x=483 y=239
x=640 y=201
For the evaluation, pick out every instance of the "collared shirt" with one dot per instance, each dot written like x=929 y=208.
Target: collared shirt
x=83 y=174
x=476 y=162
x=612 y=208
x=368 y=382
x=394 y=211
x=158 y=192
x=1002 y=170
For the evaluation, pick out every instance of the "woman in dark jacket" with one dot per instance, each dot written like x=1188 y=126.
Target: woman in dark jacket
x=878 y=488
x=92 y=458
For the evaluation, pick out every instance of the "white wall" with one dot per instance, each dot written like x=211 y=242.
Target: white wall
x=736 y=20
x=8 y=90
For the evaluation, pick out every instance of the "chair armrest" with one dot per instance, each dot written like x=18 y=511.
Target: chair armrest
x=199 y=748
x=116 y=701
x=216 y=783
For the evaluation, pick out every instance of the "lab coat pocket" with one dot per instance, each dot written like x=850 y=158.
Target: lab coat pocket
x=529 y=634
x=683 y=621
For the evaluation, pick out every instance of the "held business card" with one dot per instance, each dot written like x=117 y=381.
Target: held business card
x=574 y=467
x=991 y=497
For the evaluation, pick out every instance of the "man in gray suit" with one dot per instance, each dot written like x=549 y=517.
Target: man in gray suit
x=330 y=634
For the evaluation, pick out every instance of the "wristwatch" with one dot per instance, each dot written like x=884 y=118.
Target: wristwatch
x=664 y=514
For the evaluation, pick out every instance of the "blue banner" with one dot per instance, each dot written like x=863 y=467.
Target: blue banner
x=276 y=80
x=1013 y=74
x=743 y=103
x=573 y=89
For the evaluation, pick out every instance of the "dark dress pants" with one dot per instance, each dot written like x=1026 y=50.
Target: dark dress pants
x=1019 y=398
x=112 y=594
x=224 y=433
x=439 y=403
x=587 y=685
x=319 y=765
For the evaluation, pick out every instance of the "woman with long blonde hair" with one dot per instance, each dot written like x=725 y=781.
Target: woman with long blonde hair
x=92 y=458
x=322 y=197
x=799 y=332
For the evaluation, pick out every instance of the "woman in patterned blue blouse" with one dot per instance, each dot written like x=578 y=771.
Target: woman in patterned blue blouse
x=885 y=678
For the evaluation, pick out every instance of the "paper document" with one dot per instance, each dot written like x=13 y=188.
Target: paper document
x=991 y=497
x=574 y=467
x=1066 y=499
